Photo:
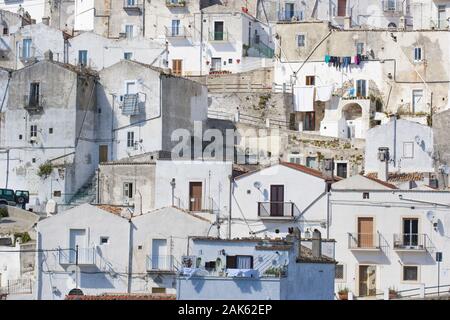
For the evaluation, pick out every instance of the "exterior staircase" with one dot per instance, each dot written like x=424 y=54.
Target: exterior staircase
x=86 y=194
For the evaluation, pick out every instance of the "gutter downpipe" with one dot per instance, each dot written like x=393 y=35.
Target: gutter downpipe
x=229 y=205
x=130 y=256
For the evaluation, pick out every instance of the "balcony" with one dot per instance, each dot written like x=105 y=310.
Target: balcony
x=412 y=242
x=33 y=103
x=162 y=264
x=277 y=210
x=175 y=32
x=131 y=104
x=78 y=256
x=290 y=16
x=134 y=6
x=364 y=241
x=219 y=36
x=175 y=3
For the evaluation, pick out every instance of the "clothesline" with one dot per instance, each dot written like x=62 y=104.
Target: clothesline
x=343 y=62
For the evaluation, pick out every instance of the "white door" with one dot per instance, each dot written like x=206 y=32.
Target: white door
x=77 y=238
x=160 y=260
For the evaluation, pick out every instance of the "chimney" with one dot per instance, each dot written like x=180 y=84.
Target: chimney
x=316 y=244
x=46 y=20
x=347 y=23
x=383 y=163
x=48 y=55
x=328 y=169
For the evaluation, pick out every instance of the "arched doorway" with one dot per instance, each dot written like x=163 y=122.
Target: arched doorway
x=352 y=113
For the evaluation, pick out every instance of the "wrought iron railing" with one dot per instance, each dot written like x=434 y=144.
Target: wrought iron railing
x=19 y=286
x=411 y=241
x=394 y=6
x=162 y=263
x=176 y=3
x=364 y=240
x=276 y=209
x=175 y=32
x=77 y=256
x=132 y=5
x=218 y=36
x=290 y=15
x=33 y=102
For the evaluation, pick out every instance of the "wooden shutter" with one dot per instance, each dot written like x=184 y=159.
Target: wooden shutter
x=177 y=67
x=231 y=262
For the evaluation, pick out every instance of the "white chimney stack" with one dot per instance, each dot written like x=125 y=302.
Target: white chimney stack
x=383 y=163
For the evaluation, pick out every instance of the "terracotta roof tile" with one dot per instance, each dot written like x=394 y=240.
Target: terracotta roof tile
x=400 y=177
x=384 y=183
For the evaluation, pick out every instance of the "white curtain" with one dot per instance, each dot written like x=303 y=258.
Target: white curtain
x=244 y=262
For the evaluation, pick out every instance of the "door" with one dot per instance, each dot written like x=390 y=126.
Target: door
x=367 y=281
x=195 y=196
x=309 y=121
x=442 y=17
x=175 y=28
x=411 y=232
x=310 y=80
x=341 y=169
x=276 y=200
x=342 y=8
x=365 y=232
x=216 y=64
x=417 y=103
x=350 y=130
x=77 y=238
x=159 y=254
x=103 y=153
x=177 y=67
x=218 y=31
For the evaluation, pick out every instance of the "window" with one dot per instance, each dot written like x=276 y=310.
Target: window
x=82 y=57
x=410 y=236
x=57 y=194
x=104 y=240
x=360 y=48
x=294 y=158
x=128 y=55
x=417 y=54
x=129 y=31
x=310 y=80
x=366 y=195
x=417 y=101
x=288 y=11
x=411 y=273
x=340 y=272
x=128 y=190
x=408 y=150
x=50 y=130
x=216 y=64
x=33 y=130
x=20 y=137
x=5 y=30
x=311 y=162
x=130 y=139
x=230 y=61
x=218 y=31
x=26 y=48
x=34 y=94
x=175 y=28
x=361 y=88
x=301 y=40
x=341 y=170
x=239 y=262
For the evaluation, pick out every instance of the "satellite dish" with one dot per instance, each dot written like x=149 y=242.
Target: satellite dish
x=417 y=138
x=257 y=185
x=431 y=216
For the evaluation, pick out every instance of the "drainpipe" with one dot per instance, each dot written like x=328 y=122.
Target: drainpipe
x=143 y=18
x=201 y=43
x=112 y=126
x=328 y=214
x=130 y=256
x=229 y=206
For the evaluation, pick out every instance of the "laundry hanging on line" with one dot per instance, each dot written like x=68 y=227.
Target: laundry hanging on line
x=324 y=93
x=304 y=99
x=342 y=62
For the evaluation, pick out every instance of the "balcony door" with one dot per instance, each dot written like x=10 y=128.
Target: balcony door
x=276 y=200
x=218 y=31
x=177 y=67
x=159 y=254
x=411 y=232
x=77 y=238
x=288 y=11
x=342 y=8
x=195 y=196
x=365 y=232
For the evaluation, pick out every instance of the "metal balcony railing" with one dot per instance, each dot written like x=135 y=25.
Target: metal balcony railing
x=218 y=36
x=412 y=241
x=176 y=3
x=132 y=5
x=131 y=105
x=288 y=15
x=33 y=102
x=366 y=241
x=175 y=32
x=77 y=256
x=162 y=263
x=262 y=48
x=276 y=209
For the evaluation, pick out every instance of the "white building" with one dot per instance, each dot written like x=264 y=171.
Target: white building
x=388 y=238
x=115 y=255
x=35 y=8
x=410 y=147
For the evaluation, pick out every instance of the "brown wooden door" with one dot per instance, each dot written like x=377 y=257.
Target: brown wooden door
x=365 y=232
x=277 y=200
x=310 y=80
x=177 y=67
x=195 y=196
x=342 y=6
x=102 y=154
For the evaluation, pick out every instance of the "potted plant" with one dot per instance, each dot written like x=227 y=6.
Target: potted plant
x=393 y=293
x=343 y=293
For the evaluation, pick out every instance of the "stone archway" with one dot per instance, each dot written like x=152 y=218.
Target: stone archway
x=352 y=111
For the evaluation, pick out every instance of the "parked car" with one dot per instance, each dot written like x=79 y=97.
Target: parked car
x=11 y=198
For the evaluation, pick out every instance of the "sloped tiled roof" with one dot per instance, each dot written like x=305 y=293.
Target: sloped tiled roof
x=400 y=177
x=384 y=183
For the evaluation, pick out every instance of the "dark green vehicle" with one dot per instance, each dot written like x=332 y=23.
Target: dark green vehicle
x=18 y=198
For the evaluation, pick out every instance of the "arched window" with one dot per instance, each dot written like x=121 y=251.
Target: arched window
x=392 y=25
